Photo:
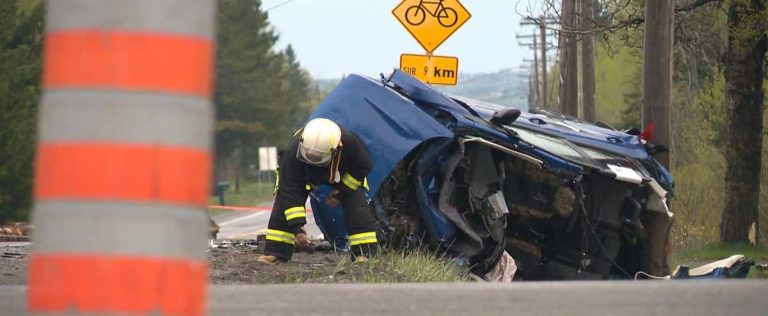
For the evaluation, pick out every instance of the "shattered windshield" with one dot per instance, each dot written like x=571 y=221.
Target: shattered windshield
x=609 y=159
x=557 y=146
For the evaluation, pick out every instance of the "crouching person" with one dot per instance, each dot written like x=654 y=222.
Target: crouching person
x=321 y=153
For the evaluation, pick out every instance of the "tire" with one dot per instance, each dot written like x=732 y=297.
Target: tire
x=415 y=15
x=447 y=17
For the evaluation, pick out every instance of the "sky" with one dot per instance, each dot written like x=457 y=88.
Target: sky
x=337 y=37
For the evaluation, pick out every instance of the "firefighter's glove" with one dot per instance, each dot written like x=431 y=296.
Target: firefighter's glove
x=303 y=243
x=301 y=238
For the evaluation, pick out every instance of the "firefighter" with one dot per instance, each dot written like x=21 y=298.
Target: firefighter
x=321 y=153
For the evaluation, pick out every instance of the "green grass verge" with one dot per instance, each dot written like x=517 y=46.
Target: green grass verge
x=251 y=194
x=395 y=267
x=212 y=212
x=696 y=256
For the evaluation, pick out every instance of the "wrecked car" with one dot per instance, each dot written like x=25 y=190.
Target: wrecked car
x=567 y=199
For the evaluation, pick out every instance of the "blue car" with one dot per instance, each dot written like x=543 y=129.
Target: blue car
x=565 y=198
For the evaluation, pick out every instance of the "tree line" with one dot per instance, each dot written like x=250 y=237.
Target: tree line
x=717 y=137
x=21 y=32
x=262 y=93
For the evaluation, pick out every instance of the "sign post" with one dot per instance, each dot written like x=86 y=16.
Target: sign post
x=431 y=69
x=431 y=23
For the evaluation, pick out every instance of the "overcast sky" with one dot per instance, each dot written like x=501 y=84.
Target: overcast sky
x=336 y=37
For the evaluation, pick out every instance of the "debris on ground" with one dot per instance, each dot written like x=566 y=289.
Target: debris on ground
x=504 y=271
x=736 y=266
x=234 y=262
x=18 y=231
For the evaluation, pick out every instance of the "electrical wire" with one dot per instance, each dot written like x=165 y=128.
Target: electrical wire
x=279 y=5
x=597 y=239
x=653 y=277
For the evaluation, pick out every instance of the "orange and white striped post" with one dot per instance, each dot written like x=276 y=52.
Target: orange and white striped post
x=123 y=158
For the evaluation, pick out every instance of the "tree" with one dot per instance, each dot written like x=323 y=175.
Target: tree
x=21 y=29
x=261 y=94
x=744 y=73
x=298 y=86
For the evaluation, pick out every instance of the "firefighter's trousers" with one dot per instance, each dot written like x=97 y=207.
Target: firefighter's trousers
x=357 y=216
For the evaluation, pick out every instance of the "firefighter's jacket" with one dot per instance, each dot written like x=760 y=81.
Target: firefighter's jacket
x=346 y=172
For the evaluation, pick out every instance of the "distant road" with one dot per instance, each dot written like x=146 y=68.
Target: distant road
x=248 y=224
x=723 y=297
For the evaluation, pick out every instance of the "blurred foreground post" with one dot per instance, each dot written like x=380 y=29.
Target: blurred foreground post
x=123 y=158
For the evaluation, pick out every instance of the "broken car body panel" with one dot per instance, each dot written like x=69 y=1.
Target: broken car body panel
x=566 y=198
x=389 y=124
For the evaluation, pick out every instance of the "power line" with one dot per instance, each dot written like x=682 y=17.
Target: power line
x=279 y=5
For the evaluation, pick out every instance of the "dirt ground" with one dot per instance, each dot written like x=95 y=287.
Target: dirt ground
x=13 y=263
x=230 y=264
x=237 y=264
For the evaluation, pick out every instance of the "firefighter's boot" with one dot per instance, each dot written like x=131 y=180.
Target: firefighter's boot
x=270 y=260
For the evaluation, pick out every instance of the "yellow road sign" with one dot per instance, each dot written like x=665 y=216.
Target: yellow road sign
x=431 y=22
x=431 y=69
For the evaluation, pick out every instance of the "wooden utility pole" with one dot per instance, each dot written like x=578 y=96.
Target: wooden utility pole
x=543 y=43
x=238 y=158
x=541 y=23
x=569 y=101
x=537 y=99
x=531 y=93
x=534 y=86
x=657 y=71
x=657 y=97
x=588 y=61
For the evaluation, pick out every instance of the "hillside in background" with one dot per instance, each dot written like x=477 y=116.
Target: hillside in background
x=505 y=87
x=324 y=86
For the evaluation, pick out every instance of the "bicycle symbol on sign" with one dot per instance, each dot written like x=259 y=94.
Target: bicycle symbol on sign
x=416 y=14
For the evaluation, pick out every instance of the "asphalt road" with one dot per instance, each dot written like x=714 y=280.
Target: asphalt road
x=248 y=224
x=722 y=297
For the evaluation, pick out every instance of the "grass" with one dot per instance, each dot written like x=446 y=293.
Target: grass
x=696 y=256
x=395 y=267
x=251 y=194
x=294 y=277
x=418 y=266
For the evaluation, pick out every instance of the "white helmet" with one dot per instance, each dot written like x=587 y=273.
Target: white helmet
x=318 y=141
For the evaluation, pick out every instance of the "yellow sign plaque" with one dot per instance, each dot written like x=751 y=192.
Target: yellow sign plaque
x=442 y=70
x=431 y=22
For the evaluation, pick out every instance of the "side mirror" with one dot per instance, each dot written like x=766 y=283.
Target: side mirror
x=633 y=131
x=654 y=149
x=505 y=116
